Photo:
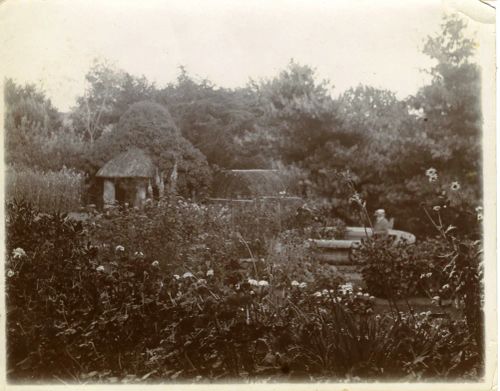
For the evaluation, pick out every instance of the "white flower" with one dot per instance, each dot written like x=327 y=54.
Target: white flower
x=295 y=283
x=155 y=264
x=479 y=217
x=372 y=297
x=18 y=253
x=100 y=268
x=251 y=281
x=119 y=248
x=431 y=172
x=325 y=292
x=187 y=275
x=176 y=276
x=433 y=178
x=479 y=209
x=210 y=272
x=445 y=286
x=437 y=208
x=10 y=273
x=302 y=285
x=202 y=281
x=346 y=288
x=366 y=295
x=455 y=186
x=137 y=253
x=356 y=199
x=263 y=283
x=429 y=275
x=317 y=294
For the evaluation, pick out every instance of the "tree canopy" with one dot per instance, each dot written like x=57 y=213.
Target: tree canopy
x=108 y=94
x=291 y=121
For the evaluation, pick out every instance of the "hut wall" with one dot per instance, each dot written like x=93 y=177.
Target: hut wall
x=108 y=192
x=141 y=191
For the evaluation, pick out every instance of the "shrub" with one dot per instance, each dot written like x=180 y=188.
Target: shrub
x=401 y=270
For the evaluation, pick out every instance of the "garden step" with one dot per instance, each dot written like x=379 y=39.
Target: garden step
x=347 y=268
x=337 y=257
x=333 y=244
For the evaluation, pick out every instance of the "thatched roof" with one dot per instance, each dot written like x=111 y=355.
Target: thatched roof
x=247 y=184
x=134 y=163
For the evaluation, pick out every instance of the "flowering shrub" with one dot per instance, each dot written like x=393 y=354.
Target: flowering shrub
x=176 y=233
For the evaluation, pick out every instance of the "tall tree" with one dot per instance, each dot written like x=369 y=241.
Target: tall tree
x=450 y=106
x=108 y=94
x=297 y=111
x=213 y=119
x=31 y=123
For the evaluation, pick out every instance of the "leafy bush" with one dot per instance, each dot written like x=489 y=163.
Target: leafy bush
x=401 y=270
x=49 y=191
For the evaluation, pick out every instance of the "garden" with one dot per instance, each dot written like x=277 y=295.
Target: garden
x=187 y=289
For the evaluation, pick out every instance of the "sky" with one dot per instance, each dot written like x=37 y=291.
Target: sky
x=53 y=43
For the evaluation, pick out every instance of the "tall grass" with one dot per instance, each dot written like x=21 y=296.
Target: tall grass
x=47 y=191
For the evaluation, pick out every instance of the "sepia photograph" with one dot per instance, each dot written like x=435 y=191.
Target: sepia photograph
x=275 y=193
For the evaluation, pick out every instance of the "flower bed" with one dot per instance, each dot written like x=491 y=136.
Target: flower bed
x=115 y=311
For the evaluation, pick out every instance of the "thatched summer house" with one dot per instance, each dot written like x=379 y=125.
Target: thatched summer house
x=128 y=178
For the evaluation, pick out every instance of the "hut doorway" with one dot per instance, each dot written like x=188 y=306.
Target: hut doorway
x=124 y=193
x=120 y=193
